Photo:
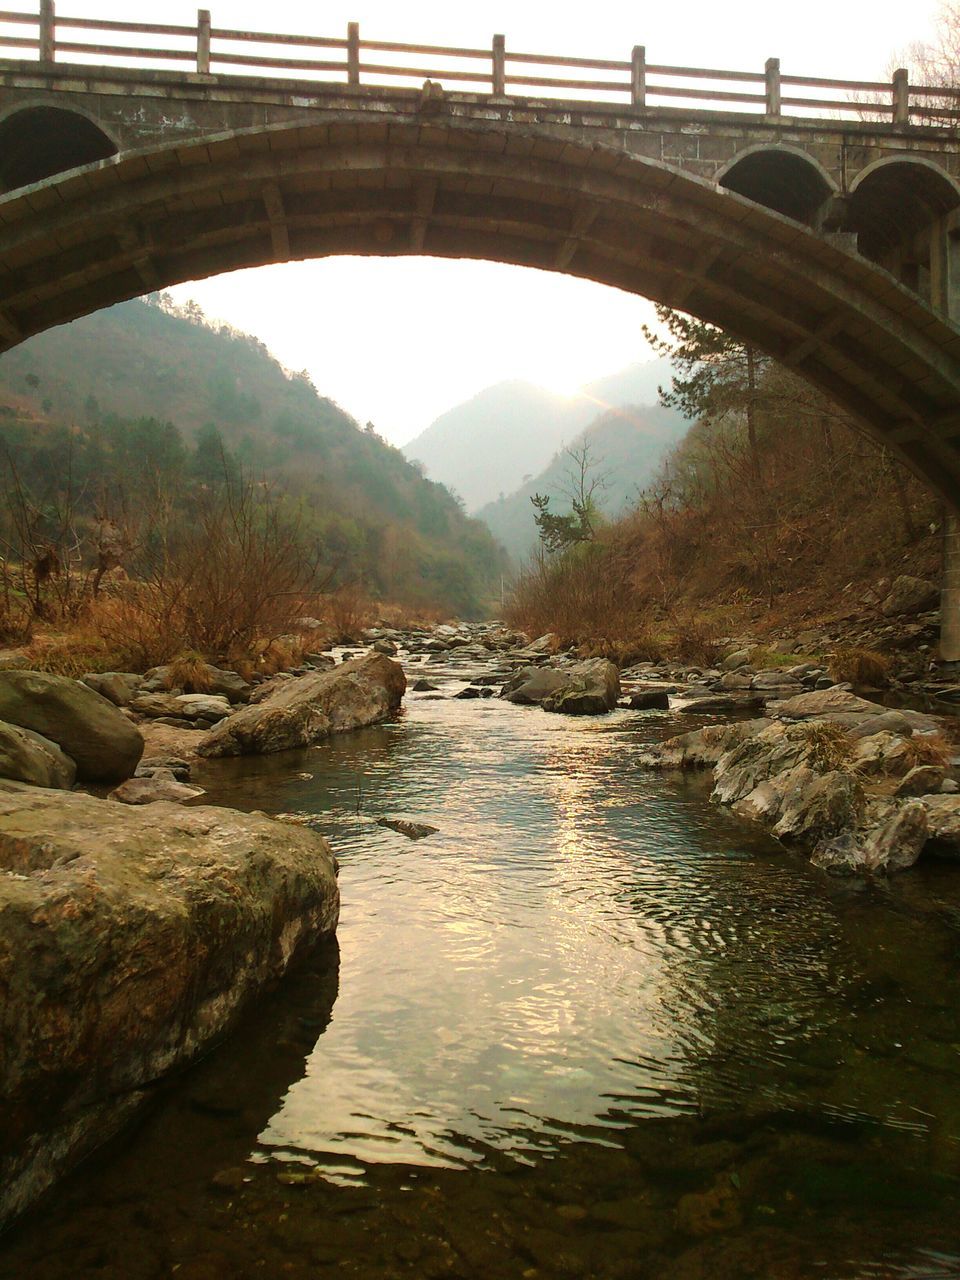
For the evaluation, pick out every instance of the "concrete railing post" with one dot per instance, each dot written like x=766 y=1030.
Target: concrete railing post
x=48 y=38
x=499 y=66
x=901 y=96
x=353 y=53
x=772 y=75
x=638 y=76
x=203 y=42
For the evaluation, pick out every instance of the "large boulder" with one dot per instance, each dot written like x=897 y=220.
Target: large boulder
x=308 y=708
x=590 y=688
x=897 y=843
x=87 y=727
x=130 y=940
x=530 y=685
x=894 y=844
x=910 y=595
x=26 y=756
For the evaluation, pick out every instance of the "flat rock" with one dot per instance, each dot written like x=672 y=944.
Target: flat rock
x=104 y=744
x=155 y=704
x=736 y=680
x=202 y=706
x=545 y=644
x=777 y=680
x=132 y=939
x=921 y=780
x=649 y=700
x=150 y=790
x=412 y=830
x=823 y=702
x=720 y=703
x=845 y=708
x=308 y=708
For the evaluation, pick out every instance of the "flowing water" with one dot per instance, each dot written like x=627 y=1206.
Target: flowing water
x=592 y=1027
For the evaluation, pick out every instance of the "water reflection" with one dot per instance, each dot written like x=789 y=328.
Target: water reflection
x=581 y=944
x=594 y=991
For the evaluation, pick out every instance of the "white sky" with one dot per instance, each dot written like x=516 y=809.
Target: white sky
x=397 y=341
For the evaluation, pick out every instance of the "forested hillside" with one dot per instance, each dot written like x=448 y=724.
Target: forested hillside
x=773 y=509
x=145 y=394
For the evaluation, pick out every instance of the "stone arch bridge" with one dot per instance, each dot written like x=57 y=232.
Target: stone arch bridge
x=823 y=228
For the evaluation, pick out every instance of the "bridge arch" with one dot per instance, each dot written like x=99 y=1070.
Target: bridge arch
x=780 y=177
x=898 y=207
x=508 y=192
x=39 y=140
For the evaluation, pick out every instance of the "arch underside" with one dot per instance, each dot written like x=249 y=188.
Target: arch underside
x=143 y=221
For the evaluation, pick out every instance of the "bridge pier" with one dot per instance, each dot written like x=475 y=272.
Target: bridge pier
x=945 y=298
x=950 y=591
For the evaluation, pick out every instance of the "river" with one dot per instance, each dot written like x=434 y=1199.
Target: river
x=594 y=1026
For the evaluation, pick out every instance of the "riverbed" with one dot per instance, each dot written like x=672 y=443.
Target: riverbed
x=594 y=1026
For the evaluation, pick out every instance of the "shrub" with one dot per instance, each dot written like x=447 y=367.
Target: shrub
x=16 y=621
x=697 y=641
x=860 y=667
x=582 y=596
x=348 y=611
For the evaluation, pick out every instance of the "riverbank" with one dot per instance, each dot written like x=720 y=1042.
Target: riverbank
x=594 y=1026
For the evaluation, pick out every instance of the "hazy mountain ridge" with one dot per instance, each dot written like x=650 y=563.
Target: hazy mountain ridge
x=487 y=446
x=625 y=448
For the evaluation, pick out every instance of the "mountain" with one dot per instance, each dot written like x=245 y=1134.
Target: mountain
x=102 y=388
x=490 y=444
x=625 y=448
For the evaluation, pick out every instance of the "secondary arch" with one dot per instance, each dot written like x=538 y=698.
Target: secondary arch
x=781 y=178
x=39 y=141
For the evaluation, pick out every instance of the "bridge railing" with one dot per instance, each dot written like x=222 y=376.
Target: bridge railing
x=498 y=71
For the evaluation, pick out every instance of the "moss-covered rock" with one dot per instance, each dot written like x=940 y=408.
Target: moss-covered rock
x=130 y=939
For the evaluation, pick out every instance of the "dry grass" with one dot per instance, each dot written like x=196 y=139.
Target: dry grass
x=766 y=659
x=641 y=647
x=860 y=667
x=71 y=656
x=188 y=671
x=929 y=748
x=829 y=747
x=271 y=656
